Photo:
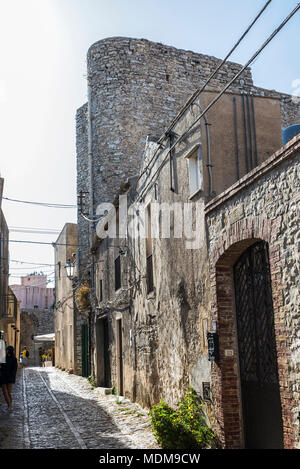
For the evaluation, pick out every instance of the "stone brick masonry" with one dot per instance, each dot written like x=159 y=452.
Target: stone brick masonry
x=267 y=201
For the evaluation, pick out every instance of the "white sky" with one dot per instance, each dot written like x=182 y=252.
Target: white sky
x=43 y=46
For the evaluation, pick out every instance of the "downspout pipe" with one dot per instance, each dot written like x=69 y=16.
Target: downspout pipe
x=250 y=132
x=236 y=139
x=245 y=133
x=254 y=129
x=209 y=165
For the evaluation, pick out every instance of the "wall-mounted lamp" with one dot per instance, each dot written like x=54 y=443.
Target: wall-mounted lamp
x=70 y=268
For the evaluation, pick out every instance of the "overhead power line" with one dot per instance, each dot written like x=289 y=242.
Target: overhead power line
x=179 y=139
x=31 y=263
x=41 y=242
x=199 y=90
x=23 y=229
x=43 y=204
x=35 y=232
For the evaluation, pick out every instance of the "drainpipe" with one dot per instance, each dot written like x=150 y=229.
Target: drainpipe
x=250 y=132
x=236 y=139
x=254 y=129
x=209 y=165
x=245 y=132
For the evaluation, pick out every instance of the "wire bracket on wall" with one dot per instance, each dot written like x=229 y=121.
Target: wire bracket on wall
x=84 y=214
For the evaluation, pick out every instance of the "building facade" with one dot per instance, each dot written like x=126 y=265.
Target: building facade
x=192 y=236
x=37 y=316
x=65 y=330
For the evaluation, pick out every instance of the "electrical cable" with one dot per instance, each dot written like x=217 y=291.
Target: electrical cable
x=43 y=204
x=41 y=242
x=200 y=90
x=270 y=38
x=25 y=262
x=15 y=230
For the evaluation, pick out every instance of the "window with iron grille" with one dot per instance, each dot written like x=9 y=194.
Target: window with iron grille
x=117 y=273
x=101 y=290
x=150 y=284
x=149 y=257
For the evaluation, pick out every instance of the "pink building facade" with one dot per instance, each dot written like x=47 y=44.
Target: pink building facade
x=33 y=292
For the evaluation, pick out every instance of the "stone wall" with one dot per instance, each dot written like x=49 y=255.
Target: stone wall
x=135 y=89
x=261 y=206
x=82 y=185
x=31 y=296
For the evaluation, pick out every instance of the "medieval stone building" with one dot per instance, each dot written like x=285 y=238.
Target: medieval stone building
x=37 y=316
x=196 y=285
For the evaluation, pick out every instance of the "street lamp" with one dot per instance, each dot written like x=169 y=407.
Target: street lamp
x=70 y=269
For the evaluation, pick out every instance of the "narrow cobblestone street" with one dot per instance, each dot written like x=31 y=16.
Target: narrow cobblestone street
x=52 y=409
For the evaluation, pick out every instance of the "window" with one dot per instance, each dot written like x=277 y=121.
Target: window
x=150 y=283
x=117 y=273
x=59 y=269
x=149 y=257
x=101 y=290
x=195 y=176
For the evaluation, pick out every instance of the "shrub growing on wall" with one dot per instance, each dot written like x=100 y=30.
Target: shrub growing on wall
x=82 y=297
x=183 y=428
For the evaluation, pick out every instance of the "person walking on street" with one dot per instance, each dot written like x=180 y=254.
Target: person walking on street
x=8 y=375
x=24 y=357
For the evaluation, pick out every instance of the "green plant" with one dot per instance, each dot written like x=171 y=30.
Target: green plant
x=184 y=427
x=113 y=391
x=92 y=381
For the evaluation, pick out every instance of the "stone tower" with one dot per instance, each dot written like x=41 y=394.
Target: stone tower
x=135 y=89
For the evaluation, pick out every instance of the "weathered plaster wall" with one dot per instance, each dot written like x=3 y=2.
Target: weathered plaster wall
x=29 y=297
x=64 y=305
x=169 y=345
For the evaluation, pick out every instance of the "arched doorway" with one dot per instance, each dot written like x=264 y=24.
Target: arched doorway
x=260 y=395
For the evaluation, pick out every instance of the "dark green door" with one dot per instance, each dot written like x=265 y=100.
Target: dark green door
x=84 y=350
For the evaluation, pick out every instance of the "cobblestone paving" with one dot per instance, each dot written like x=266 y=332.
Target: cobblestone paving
x=53 y=409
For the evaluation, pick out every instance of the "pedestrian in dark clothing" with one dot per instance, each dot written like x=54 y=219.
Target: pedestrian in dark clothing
x=8 y=375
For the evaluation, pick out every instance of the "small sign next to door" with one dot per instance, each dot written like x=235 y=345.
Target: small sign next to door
x=213 y=346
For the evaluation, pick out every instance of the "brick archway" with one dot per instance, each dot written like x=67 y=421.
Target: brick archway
x=225 y=373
